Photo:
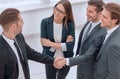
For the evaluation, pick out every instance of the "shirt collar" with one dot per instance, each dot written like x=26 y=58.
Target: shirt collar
x=96 y=23
x=112 y=30
x=8 y=40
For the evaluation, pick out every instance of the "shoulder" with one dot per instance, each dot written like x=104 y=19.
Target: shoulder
x=48 y=19
x=101 y=29
x=20 y=36
x=70 y=24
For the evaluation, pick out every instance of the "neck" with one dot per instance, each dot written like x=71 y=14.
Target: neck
x=58 y=21
x=95 y=21
x=110 y=27
x=9 y=35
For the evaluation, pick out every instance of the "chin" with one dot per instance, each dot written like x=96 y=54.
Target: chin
x=88 y=19
x=102 y=25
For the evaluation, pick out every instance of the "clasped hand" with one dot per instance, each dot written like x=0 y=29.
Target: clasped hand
x=59 y=62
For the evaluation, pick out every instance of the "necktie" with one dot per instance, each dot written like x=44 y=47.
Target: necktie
x=21 y=63
x=87 y=31
x=19 y=52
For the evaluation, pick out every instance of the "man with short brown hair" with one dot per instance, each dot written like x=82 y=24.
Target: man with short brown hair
x=14 y=51
x=108 y=60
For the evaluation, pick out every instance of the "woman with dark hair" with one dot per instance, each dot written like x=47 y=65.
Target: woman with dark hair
x=58 y=37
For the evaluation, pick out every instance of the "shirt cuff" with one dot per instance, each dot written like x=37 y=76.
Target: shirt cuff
x=63 y=45
x=52 y=49
x=67 y=62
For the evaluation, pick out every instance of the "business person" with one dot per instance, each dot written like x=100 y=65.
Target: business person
x=58 y=37
x=108 y=59
x=89 y=45
x=14 y=51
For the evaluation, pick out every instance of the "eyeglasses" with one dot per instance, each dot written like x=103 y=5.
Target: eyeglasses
x=60 y=11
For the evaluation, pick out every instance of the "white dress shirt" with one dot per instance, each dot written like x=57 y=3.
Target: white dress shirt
x=109 y=32
x=57 y=30
x=11 y=43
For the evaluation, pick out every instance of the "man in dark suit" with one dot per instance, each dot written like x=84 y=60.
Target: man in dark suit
x=108 y=60
x=90 y=44
x=13 y=58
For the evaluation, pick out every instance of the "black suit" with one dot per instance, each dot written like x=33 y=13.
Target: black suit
x=9 y=63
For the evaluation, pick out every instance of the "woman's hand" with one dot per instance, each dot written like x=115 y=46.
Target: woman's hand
x=69 y=38
x=45 y=42
x=48 y=43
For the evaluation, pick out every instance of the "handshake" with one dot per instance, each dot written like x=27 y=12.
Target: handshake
x=59 y=62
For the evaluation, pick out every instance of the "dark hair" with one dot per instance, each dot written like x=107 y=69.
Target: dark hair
x=99 y=4
x=8 y=16
x=68 y=9
x=114 y=10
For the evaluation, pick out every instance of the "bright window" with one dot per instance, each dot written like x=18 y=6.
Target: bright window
x=13 y=3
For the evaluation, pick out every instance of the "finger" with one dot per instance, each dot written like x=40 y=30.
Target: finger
x=58 y=59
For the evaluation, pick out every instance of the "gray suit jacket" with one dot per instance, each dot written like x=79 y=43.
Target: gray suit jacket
x=88 y=51
x=108 y=59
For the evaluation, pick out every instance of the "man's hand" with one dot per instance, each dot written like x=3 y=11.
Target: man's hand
x=59 y=62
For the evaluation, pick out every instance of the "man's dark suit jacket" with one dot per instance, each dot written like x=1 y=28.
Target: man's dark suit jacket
x=108 y=60
x=47 y=32
x=88 y=50
x=9 y=63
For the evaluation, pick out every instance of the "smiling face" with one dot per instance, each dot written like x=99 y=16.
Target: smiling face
x=106 y=20
x=92 y=14
x=59 y=13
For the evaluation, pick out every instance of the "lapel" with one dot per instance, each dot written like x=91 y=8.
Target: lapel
x=108 y=40
x=50 y=28
x=92 y=32
x=9 y=49
x=82 y=31
x=64 y=30
x=22 y=48
x=80 y=38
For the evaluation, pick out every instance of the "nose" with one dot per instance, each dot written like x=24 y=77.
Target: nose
x=87 y=13
x=57 y=12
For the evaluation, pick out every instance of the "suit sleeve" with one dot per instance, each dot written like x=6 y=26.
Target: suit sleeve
x=44 y=29
x=90 y=54
x=71 y=29
x=113 y=58
x=36 y=56
x=44 y=34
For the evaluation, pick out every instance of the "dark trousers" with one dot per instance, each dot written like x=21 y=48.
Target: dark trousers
x=53 y=73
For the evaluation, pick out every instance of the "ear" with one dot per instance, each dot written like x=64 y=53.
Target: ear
x=99 y=14
x=13 y=26
x=114 y=21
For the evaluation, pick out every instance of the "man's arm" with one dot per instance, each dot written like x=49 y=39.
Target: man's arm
x=34 y=55
x=90 y=54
